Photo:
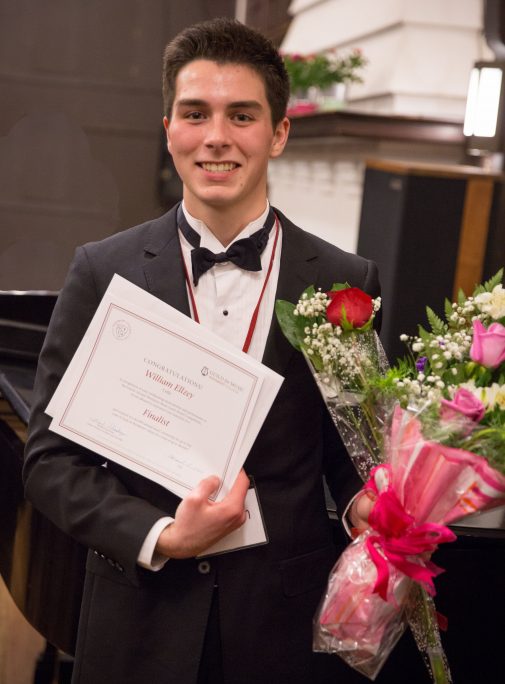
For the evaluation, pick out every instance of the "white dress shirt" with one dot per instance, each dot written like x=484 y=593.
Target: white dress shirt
x=226 y=297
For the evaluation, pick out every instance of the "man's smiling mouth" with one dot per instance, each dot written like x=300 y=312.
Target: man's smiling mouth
x=214 y=167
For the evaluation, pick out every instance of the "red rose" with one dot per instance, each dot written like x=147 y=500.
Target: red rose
x=353 y=304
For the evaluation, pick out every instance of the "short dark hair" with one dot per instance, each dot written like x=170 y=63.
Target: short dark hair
x=227 y=41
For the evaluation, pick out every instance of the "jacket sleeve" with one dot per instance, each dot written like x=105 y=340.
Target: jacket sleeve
x=67 y=483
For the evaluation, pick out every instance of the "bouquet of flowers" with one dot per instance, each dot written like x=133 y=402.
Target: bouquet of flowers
x=435 y=425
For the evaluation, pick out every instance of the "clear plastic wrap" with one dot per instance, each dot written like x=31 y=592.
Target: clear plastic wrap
x=423 y=486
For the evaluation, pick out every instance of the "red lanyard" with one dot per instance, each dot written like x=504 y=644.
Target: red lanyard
x=254 y=319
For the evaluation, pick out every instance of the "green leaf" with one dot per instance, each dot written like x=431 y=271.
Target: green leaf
x=317 y=362
x=490 y=284
x=448 y=309
x=344 y=322
x=336 y=287
x=437 y=324
x=461 y=297
x=291 y=325
x=424 y=334
x=310 y=292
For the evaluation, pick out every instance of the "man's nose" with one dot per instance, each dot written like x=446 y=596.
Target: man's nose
x=218 y=134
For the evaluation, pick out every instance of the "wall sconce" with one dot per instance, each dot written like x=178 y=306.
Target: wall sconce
x=485 y=108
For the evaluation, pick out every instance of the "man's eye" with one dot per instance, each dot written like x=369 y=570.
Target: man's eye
x=194 y=116
x=242 y=118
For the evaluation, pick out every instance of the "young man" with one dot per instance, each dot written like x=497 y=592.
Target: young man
x=151 y=611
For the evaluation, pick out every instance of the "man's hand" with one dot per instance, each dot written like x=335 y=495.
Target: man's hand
x=360 y=510
x=199 y=522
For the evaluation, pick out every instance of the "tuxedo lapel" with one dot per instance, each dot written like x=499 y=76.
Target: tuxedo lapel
x=163 y=269
x=298 y=270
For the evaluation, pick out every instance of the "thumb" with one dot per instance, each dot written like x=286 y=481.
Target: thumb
x=364 y=506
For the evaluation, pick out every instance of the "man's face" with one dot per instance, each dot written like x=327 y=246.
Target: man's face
x=220 y=136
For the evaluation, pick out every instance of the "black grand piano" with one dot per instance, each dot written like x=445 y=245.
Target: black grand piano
x=44 y=569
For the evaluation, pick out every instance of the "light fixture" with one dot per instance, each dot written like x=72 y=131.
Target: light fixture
x=485 y=108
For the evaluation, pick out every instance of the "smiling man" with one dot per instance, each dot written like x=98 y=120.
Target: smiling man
x=221 y=135
x=152 y=611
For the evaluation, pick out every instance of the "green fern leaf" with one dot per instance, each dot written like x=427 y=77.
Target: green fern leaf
x=448 y=309
x=490 y=284
x=437 y=324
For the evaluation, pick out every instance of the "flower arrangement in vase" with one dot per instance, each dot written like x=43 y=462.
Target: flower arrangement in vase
x=316 y=78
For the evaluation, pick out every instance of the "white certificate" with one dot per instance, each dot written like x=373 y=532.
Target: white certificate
x=157 y=393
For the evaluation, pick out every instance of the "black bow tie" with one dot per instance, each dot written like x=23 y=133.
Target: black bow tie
x=245 y=253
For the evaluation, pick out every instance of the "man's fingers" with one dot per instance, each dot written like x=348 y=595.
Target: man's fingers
x=206 y=487
x=364 y=506
x=240 y=486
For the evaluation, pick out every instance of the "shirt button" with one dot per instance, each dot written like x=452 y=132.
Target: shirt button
x=204 y=567
x=225 y=312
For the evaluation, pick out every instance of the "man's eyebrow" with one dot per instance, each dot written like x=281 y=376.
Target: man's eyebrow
x=239 y=104
x=190 y=102
x=245 y=104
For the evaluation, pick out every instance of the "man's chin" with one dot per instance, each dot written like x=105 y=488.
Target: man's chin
x=219 y=199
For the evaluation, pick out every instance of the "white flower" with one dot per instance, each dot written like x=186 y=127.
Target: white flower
x=500 y=398
x=492 y=303
x=491 y=396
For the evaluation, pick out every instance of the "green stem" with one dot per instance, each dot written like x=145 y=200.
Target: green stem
x=428 y=640
x=359 y=429
x=473 y=441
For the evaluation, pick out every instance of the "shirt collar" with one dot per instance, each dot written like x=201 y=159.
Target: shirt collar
x=210 y=241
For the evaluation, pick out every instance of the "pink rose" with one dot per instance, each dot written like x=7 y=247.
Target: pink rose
x=351 y=304
x=464 y=404
x=488 y=346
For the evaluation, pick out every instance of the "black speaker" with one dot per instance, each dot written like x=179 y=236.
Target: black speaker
x=413 y=220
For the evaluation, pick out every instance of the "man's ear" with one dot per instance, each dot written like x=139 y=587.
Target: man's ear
x=281 y=134
x=165 y=126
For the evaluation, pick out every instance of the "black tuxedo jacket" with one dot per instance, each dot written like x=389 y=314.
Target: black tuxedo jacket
x=139 y=626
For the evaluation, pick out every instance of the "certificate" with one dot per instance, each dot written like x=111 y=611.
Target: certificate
x=155 y=392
